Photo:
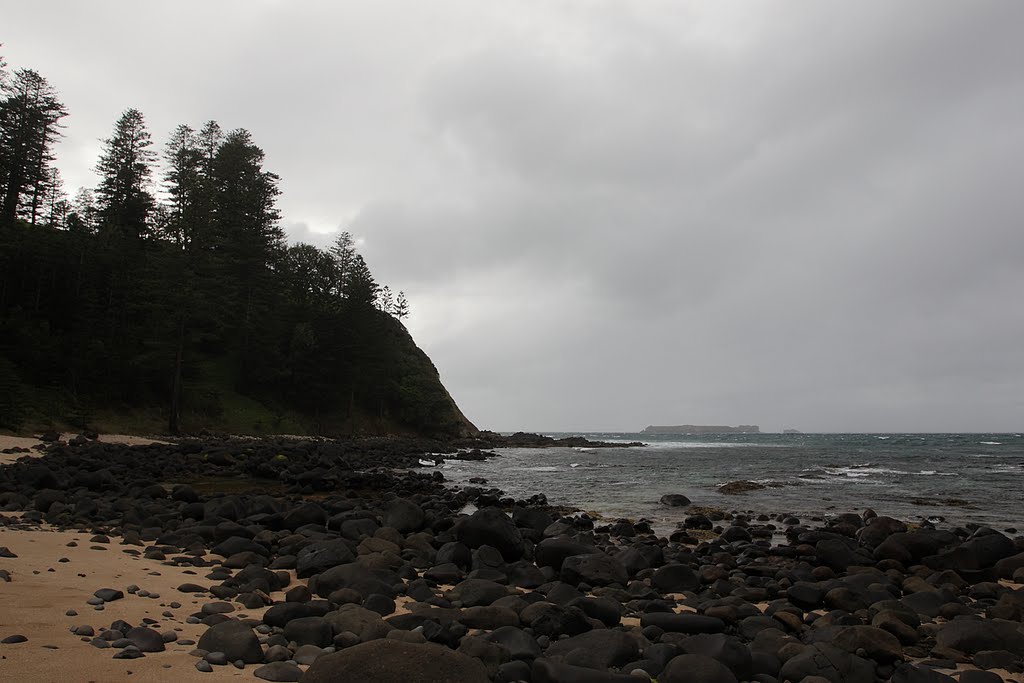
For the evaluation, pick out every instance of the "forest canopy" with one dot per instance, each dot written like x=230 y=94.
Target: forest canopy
x=168 y=291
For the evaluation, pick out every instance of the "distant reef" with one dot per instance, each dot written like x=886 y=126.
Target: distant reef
x=700 y=429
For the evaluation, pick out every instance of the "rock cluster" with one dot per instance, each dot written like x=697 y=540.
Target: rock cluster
x=382 y=576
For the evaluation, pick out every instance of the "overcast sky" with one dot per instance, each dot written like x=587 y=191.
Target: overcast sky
x=608 y=214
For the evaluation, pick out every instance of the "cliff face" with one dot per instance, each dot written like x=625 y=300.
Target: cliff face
x=700 y=429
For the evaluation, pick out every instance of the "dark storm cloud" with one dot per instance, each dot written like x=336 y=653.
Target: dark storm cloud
x=612 y=214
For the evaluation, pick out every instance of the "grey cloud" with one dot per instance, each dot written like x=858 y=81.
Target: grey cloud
x=607 y=215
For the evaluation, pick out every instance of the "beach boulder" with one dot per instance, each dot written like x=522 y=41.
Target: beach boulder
x=596 y=569
x=394 y=660
x=975 y=635
x=491 y=526
x=980 y=551
x=551 y=552
x=235 y=639
x=693 y=668
x=829 y=662
x=599 y=649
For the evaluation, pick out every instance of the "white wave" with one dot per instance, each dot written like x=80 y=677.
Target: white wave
x=937 y=474
x=545 y=468
x=427 y=463
x=582 y=449
x=862 y=471
x=574 y=464
x=992 y=443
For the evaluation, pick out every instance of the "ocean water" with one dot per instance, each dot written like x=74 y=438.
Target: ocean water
x=948 y=478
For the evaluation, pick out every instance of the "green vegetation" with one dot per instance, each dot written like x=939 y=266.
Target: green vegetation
x=119 y=310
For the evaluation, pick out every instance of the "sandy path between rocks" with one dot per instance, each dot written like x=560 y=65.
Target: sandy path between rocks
x=42 y=589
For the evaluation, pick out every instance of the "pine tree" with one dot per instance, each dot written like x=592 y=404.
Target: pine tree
x=361 y=288
x=182 y=181
x=56 y=205
x=401 y=309
x=30 y=113
x=82 y=213
x=125 y=168
x=385 y=300
x=343 y=253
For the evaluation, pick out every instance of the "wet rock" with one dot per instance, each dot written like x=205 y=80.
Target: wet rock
x=674 y=500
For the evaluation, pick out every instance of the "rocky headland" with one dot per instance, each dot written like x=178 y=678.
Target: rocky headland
x=288 y=560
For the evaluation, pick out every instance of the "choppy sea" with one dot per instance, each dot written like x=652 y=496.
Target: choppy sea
x=949 y=478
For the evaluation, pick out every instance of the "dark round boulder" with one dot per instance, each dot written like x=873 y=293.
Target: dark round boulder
x=551 y=671
x=974 y=635
x=476 y=592
x=394 y=660
x=491 y=526
x=596 y=569
x=146 y=639
x=309 y=631
x=682 y=623
x=235 y=639
x=675 y=500
x=696 y=669
x=675 y=578
x=829 y=662
x=321 y=556
x=404 y=515
x=598 y=649
x=282 y=672
x=551 y=552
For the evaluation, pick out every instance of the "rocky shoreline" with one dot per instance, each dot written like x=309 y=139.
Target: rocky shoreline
x=320 y=560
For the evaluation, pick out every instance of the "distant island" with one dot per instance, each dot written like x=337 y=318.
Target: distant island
x=700 y=429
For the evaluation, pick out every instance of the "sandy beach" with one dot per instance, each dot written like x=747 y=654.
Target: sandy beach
x=43 y=588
